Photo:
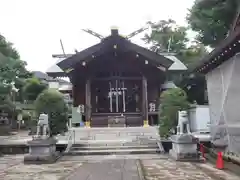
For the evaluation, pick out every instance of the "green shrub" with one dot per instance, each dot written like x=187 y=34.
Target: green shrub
x=172 y=101
x=33 y=88
x=51 y=102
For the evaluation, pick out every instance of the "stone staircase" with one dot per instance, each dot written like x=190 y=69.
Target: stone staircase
x=115 y=141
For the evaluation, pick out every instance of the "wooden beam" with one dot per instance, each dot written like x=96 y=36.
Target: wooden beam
x=144 y=101
x=113 y=78
x=62 y=55
x=88 y=107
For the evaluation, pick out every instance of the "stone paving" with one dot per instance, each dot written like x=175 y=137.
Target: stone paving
x=12 y=168
x=111 y=168
x=108 y=170
x=162 y=169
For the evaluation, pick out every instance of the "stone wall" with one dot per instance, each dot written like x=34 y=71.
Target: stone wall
x=223 y=85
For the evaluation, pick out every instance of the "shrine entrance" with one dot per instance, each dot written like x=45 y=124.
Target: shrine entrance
x=116 y=95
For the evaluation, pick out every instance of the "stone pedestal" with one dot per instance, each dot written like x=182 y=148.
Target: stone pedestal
x=41 y=151
x=184 y=148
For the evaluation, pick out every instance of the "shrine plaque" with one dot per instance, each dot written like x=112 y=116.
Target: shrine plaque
x=116 y=121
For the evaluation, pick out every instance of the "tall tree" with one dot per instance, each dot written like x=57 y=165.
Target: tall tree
x=212 y=19
x=12 y=70
x=166 y=36
x=7 y=49
x=192 y=54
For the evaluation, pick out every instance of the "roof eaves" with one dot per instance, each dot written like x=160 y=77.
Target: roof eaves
x=212 y=59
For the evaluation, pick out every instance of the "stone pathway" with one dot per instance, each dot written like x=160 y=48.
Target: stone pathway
x=107 y=170
x=110 y=168
x=162 y=169
x=12 y=168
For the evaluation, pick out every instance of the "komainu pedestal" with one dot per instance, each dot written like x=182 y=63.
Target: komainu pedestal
x=184 y=148
x=41 y=151
x=42 y=148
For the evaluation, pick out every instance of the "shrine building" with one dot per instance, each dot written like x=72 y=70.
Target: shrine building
x=116 y=78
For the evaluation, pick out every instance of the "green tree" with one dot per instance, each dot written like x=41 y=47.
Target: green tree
x=32 y=88
x=166 y=36
x=195 y=87
x=6 y=104
x=212 y=19
x=7 y=49
x=172 y=101
x=12 y=69
x=191 y=55
x=52 y=103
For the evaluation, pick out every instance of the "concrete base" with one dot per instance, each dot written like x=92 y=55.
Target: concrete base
x=184 y=148
x=186 y=157
x=41 y=151
x=41 y=159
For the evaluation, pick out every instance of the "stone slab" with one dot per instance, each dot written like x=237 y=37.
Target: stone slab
x=107 y=170
x=20 y=171
x=109 y=167
x=162 y=169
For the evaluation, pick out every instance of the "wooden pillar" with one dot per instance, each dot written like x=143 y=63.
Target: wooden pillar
x=144 y=101
x=73 y=89
x=88 y=107
x=73 y=95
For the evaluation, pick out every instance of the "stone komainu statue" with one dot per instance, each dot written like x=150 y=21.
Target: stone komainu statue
x=43 y=125
x=183 y=123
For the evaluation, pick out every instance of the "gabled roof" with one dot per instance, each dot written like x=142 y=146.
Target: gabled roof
x=44 y=77
x=55 y=70
x=227 y=49
x=114 y=42
x=177 y=64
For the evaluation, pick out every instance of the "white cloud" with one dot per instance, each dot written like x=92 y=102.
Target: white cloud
x=35 y=26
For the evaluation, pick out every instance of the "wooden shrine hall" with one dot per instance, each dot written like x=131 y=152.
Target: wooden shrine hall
x=118 y=82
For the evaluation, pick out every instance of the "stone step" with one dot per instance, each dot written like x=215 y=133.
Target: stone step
x=90 y=158
x=113 y=151
x=114 y=146
x=77 y=148
x=132 y=129
x=114 y=142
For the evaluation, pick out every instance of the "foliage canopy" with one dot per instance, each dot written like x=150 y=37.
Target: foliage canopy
x=212 y=19
x=172 y=101
x=33 y=88
x=51 y=102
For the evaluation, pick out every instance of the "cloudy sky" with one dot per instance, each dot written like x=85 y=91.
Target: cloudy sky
x=35 y=26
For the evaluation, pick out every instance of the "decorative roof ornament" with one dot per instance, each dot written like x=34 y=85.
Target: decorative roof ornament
x=115 y=29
